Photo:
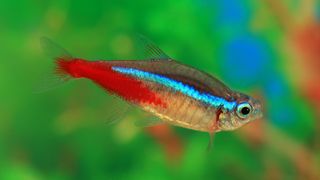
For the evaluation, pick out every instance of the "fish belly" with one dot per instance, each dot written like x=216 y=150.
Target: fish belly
x=181 y=110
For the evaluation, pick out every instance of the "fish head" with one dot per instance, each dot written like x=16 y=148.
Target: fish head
x=247 y=109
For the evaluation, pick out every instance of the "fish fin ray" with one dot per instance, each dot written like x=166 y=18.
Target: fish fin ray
x=148 y=122
x=49 y=82
x=118 y=112
x=210 y=144
x=152 y=51
x=53 y=50
x=58 y=77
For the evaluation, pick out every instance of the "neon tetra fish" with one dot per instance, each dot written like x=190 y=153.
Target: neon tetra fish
x=178 y=94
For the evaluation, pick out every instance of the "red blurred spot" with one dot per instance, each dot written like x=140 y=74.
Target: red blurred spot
x=167 y=138
x=306 y=40
x=312 y=92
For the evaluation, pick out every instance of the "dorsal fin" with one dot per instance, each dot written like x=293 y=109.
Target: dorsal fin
x=152 y=51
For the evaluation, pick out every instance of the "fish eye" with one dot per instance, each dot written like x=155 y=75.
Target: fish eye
x=243 y=110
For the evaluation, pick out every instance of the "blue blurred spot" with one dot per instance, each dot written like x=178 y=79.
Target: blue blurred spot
x=282 y=114
x=233 y=11
x=280 y=110
x=244 y=60
x=275 y=86
x=230 y=11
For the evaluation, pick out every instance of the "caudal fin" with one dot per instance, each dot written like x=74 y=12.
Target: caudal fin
x=61 y=57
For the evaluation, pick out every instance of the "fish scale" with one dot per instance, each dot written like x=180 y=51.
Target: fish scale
x=180 y=109
x=180 y=116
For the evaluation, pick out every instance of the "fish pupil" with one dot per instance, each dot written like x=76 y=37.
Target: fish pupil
x=245 y=111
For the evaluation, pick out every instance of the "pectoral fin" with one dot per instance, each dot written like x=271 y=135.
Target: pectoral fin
x=210 y=145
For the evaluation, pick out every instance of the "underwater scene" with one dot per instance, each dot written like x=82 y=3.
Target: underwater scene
x=153 y=89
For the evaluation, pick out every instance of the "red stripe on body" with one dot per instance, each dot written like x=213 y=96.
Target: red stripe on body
x=127 y=87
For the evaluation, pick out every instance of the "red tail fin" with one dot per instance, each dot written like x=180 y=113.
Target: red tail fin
x=64 y=68
x=60 y=55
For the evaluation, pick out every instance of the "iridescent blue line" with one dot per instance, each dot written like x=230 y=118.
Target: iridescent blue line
x=178 y=86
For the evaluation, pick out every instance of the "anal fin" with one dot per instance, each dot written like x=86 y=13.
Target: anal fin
x=148 y=122
x=118 y=111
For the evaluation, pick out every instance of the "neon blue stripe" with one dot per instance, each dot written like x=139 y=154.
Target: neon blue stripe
x=178 y=86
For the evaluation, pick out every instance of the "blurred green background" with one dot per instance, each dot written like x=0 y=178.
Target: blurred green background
x=62 y=134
